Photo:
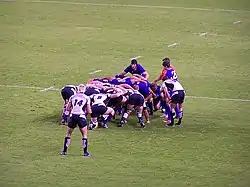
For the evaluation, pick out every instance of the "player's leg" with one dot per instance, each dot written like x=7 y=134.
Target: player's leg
x=126 y=114
x=71 y=125
x=94 y=115
x=139 y=110
x=107 y=116
x=180 y=108
x=84 y=131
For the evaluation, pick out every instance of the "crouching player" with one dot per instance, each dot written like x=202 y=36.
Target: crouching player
x=99 y=107
x=66 y=92
x=136 y=100
x=78 y=107
x=177 y=97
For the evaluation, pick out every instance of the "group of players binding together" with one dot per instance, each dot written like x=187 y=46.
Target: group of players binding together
x=103 y=98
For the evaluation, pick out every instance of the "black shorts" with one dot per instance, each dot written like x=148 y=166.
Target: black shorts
x=178 y=97
x=98 y=110
x=66 y=93
x=156 y=101
x=114 y=101
x=136 y=99
x=90 y=91
x=75 y=120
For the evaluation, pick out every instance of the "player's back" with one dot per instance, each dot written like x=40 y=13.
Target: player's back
x=79 y=103
x=173 y=85
x=171 y=74
x=100 y=99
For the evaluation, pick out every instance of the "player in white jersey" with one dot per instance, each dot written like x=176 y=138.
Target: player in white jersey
x=99 y=107
x=78 y=107
x=177 y=97
x=136 y=100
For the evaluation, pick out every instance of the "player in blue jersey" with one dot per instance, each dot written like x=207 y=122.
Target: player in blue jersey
x=135 y=68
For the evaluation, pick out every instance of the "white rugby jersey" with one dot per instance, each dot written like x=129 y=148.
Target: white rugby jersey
x=101 y=99
x=172 y=85
x=79 y=103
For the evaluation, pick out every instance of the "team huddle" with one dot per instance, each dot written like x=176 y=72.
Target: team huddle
x=105 y=98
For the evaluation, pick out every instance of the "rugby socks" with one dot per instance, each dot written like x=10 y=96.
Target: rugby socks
x=180 y=115
x=107 y=118
x=66 y=144
x=85 y=145
x=124 y=116
x=150 y=106
x=139 y=115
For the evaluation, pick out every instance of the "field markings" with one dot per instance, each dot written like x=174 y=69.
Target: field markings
x=174 y=44
x=133 y=6
x=137 y=57
x=94 y=72
x=46 y=89
x=236 y=22
x=52 y=88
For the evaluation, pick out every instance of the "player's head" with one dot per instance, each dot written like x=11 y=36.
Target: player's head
x=153 y=86
x=81 y=88
x=133 y=64
x=166 y=62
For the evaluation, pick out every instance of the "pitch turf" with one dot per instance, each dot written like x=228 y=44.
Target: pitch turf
x=54 y=44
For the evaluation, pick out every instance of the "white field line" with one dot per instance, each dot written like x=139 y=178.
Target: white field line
x=203 y=34
x=94 y=72
x=134 y=6
x=137 y=57
x=192 y=97
x=174 y=44
x=236 y=22
x=46 y=89
x=29 y=87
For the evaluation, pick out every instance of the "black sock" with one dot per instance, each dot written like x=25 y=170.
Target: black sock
x=66 y=144
x=150 y=106
x=85 y=144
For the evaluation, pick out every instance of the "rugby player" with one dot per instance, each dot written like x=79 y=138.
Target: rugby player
x=177 y=97
x=66 y=93
x=78 y=107
x=135 y=68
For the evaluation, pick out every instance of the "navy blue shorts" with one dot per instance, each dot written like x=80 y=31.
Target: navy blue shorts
x=66 y=93
x=136 y=100
x=75 y=120
x=90 y=91
x=98 y=110
x=178 y=97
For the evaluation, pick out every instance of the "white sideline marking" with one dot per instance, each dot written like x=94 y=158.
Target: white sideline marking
x=137 y=57
x=29 y=87
x=133 y=6
x=192 y=97
x=94 y=72
x=46 y=89
x=89 y=28
x=203 y=34
x=174 y=44
x=236 y=22
x=221 y=99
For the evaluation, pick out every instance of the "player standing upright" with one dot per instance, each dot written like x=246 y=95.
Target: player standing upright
x=78 y=107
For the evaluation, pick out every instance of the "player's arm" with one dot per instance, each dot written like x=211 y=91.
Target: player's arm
x=88 y=106
x=125 y=71
x=69 y=106
x=148 y=97
x=145 y=75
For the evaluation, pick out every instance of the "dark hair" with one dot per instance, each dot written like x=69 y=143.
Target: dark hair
x=166 y=62
x=133 y=61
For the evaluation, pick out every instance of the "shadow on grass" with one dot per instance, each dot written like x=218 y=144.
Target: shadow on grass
x=54 y=118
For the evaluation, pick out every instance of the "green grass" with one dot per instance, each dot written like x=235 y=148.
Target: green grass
x=44 y=44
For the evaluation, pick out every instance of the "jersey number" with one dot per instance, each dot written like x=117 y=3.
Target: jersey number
x=99 y=97
x=78 y=102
